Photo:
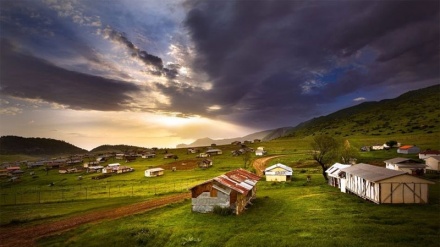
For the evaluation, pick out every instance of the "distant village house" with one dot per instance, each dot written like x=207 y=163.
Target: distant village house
x=278 y=173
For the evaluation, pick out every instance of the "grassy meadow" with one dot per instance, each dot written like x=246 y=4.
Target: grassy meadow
x=294 y=213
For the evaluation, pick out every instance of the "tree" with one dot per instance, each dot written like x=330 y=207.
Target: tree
x=325 y=151
x=348 y=153
x=246 y=159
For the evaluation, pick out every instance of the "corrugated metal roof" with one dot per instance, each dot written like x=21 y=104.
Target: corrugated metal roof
x=396 y=160
x=287 y=168
x=406 y=147
x=335 y=169
x=372 y=173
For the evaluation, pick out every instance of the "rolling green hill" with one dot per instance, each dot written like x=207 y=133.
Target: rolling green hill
x=115 y=148
x=413 y=112
x=10 y=145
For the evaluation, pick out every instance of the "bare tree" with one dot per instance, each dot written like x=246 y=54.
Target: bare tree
x=325 y=151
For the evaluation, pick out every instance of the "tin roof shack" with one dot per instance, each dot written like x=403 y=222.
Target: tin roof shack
x=382 y=185
x=408 y=149
x=154 y=172
x=234 y=190
x=333 y=175
x=407 y=165
x=278 y=172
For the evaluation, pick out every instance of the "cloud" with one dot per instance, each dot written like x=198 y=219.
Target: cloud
x=359 y=99
x=26 y=76
x=285 y=60
x=155 y=62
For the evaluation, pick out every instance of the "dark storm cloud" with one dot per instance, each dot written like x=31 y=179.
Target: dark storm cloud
x=279 y=57
x=144 y=56
x=26 y=76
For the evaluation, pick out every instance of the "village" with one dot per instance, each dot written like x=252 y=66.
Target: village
x=399 y=180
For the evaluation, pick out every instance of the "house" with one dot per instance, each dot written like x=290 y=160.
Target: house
x=278 y=172
x=123 y=169
x=408 y=149
x=111 y=168
x=432 y=163
x=154 y=172
x=148 y=155
x=91 y=169
x=260 y=151
x=130 y=158
x=233 y=190
x=202 y=155
x=120 y=156
x=257 y=140
x=91 y=163
x=214 y=151
x=168 y=156
x=236 y=143
x=205 y=163
x=333 y=175
x=428 y=153
x=407 y=165
x=382 y=185
x=377 y=147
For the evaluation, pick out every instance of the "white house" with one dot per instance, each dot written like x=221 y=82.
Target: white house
x=381 y=185
x=428 y=153
x=333 y=176
x=111 y=168
x=154 y=172
x=377 y=147
x=260 y=151
x=407 y=165
x=432 y=163
x=278 y=172
x=408 y=149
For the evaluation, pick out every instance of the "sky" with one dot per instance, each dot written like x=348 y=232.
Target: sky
x=160 y=73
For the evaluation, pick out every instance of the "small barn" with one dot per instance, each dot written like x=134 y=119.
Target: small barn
x=408 y=149
x=381 y=185
x=214 y=151
x=205 y=163
x=432 y=163
x=333 y=175
x=154 y=172
x=409 y=166
x=234 y=190
x=278 y=172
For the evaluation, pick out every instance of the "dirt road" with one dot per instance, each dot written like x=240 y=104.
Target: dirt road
x=260 y=164
x=26 y=236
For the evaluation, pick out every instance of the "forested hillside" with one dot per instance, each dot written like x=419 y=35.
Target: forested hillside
x=416 y=111
x=36 y=146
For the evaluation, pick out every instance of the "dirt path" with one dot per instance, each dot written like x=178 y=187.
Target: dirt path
x=260 y=164
x=26 y=236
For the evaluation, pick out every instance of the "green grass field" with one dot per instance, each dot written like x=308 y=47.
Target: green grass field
x=284 y=214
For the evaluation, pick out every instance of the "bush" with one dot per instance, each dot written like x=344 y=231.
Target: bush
x=224 y=211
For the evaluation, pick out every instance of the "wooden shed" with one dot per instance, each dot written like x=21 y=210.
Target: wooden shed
x=333 y=176
x=234 y=190
x=278 y=172
x=382 y=185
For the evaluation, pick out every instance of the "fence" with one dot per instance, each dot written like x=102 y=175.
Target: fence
x=45 y=194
